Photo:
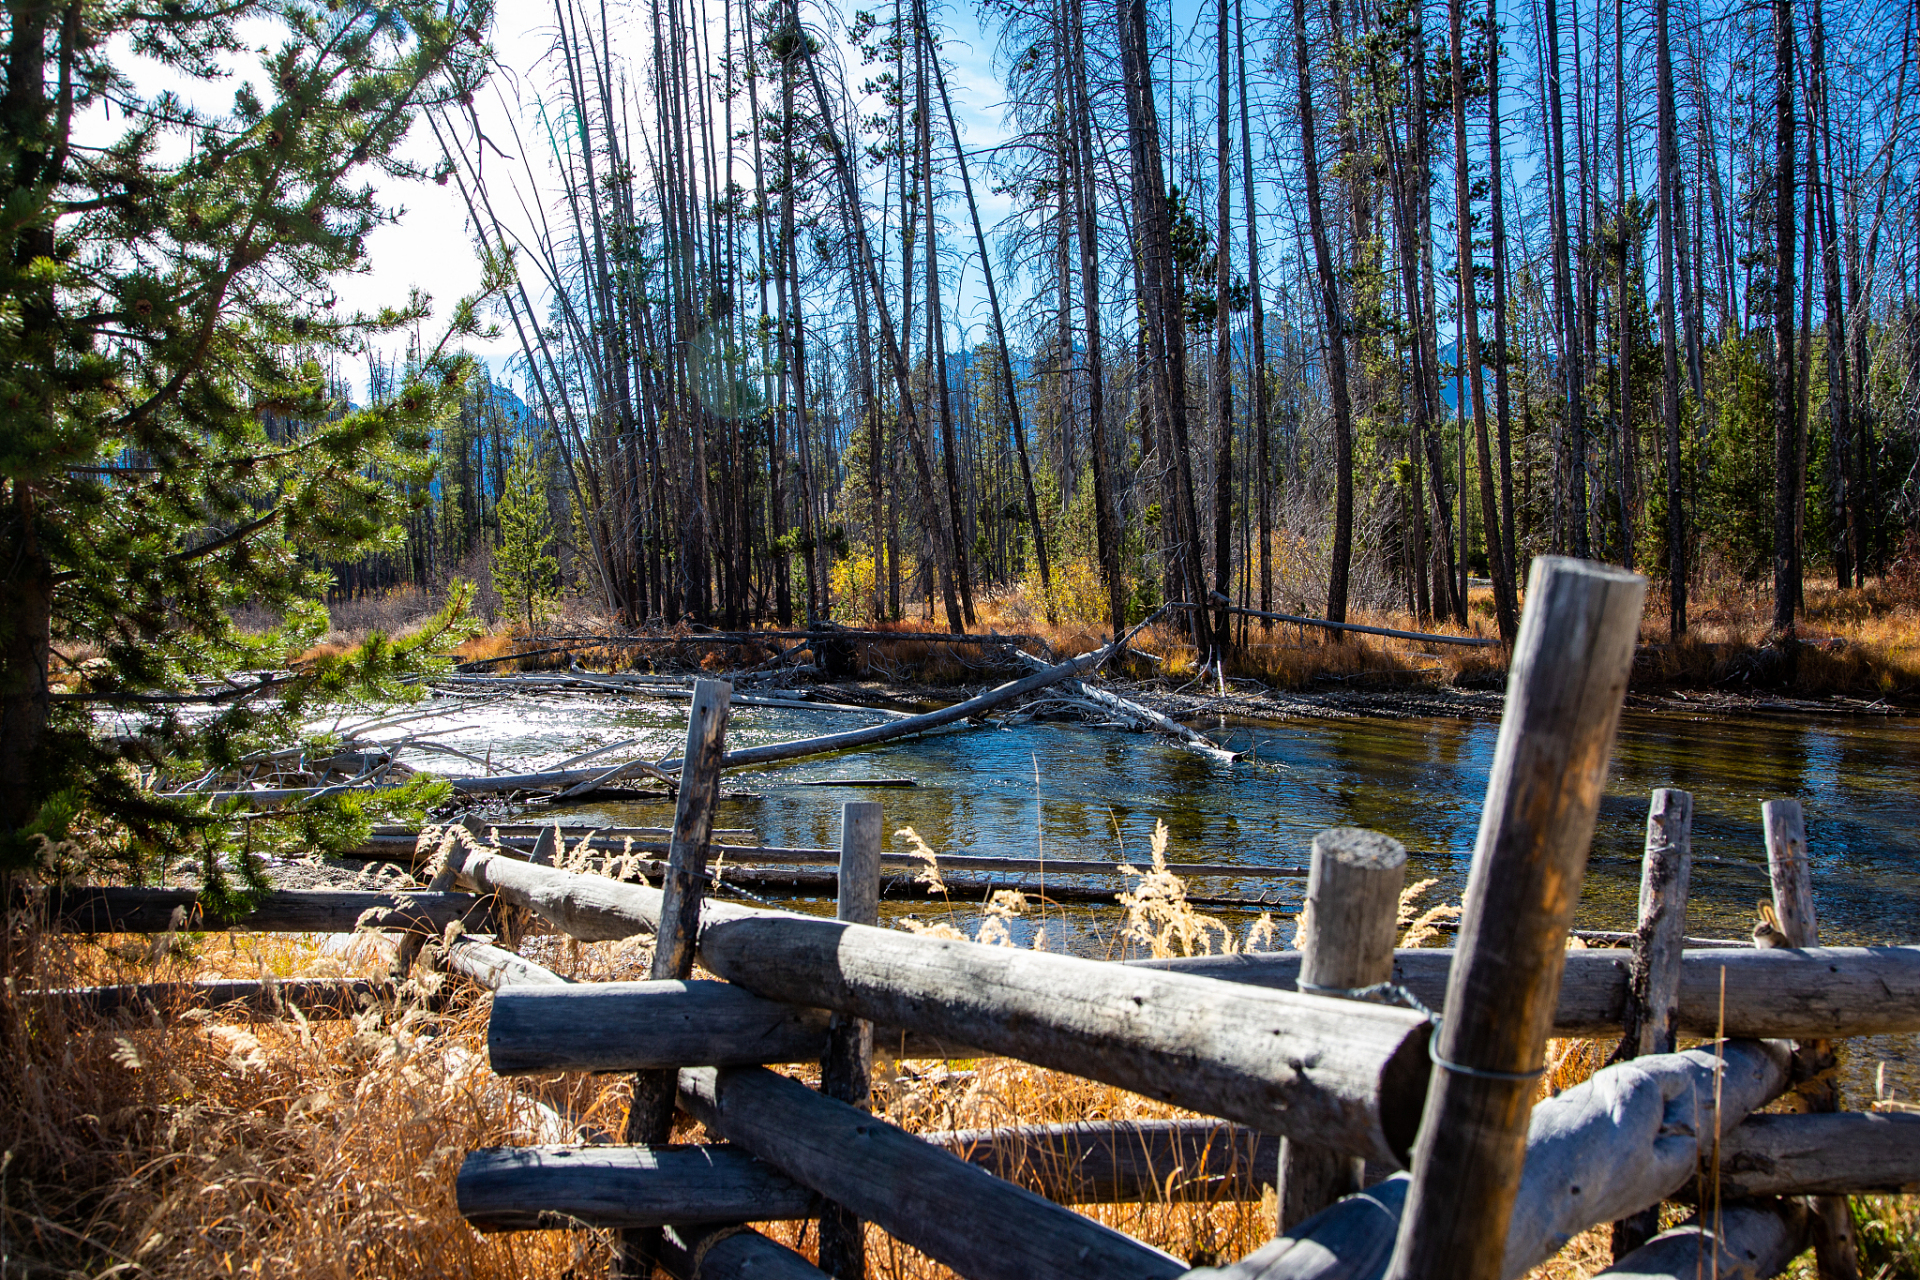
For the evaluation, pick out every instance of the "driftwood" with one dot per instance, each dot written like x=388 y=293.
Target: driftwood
x=910 y=1188
x=1751 y=1242
x=1134 y=713
x=1568 y=679
x=975 y=706
x=542 y=1188
x=1631 y=1136
x=1347 y=1075
x=121 y=910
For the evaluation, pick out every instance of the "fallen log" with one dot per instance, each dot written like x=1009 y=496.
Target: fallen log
x=641 y=840
x=1741 y=1242
x=569 y=1187
x=632 y=1026
x=1344 y=1074
x=1631 y=1136
x=952 y=1211
x=975 y=706
x=547 y=1188
x=1299 y=620
x=1138 y=714
x=126 y=910
x=496 y=968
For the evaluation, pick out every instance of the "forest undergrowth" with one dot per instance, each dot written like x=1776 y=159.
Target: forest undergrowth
x=193 y=1145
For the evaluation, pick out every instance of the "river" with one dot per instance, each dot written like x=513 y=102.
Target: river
x=1069 y=791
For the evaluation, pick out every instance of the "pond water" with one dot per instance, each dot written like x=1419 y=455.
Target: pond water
x=1075 y=792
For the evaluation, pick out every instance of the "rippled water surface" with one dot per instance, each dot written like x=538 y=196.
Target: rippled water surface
x=1089 y=793
x=1075 y=792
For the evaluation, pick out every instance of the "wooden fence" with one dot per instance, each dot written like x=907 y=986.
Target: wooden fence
x=1388 y=1096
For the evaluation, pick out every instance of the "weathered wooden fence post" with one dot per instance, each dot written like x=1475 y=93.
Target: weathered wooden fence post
x=847 y=1071
x=1353 y=898
x=1792 y=876
x=650 y=1115
x=1653 y=986
x=1569 y=675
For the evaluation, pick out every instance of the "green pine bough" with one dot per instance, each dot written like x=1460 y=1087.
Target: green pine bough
x=171 y=445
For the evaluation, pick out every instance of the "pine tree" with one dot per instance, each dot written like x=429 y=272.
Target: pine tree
x=523 y=566
x=169 y=444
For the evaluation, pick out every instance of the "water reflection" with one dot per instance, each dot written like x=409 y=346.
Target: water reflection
x=1074 y=792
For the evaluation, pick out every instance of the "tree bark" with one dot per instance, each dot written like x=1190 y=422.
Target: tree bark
x=1786 y=441
x=1335 y=320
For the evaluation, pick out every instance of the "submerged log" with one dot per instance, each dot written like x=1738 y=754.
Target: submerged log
x=954 y=1212
x=123 y=910
x=401 y=846
x=1340 y=1073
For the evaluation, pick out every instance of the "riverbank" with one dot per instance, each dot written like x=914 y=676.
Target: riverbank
x=1857 y=652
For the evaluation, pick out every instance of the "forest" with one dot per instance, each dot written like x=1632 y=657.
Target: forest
x=1307 y=306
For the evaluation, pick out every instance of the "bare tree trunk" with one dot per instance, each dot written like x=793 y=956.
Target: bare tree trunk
x=1502 y=407
x=1106 y=523
x=1839 y=407
x=1008 y=383
x=1669 y=348
x=937 y=327
x=1223 y=334
x=1786 y=444
x=1262 y=434
x=1163 y=325
x=1503 y=602
x=1335 y=320
x=1572 y=366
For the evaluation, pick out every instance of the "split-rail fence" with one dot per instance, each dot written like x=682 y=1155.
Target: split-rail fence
x=1388 y=1096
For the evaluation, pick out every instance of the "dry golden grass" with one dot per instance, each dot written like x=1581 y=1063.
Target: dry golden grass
x=198 y=1146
